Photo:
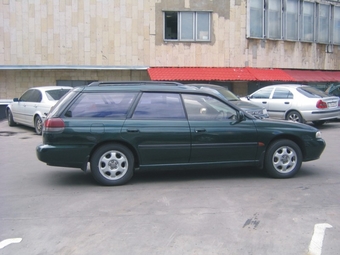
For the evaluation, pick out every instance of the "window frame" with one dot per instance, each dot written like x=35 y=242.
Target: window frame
x=195 y=37
x=299 y=21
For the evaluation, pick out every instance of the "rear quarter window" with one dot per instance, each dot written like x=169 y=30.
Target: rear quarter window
x=102 y=105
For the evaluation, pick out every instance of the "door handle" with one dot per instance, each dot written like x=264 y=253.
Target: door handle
x=264 y=102
x=286 y=102
x=200 y=130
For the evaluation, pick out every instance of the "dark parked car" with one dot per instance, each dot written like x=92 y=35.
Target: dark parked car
x=253 y=109
x=120 y=129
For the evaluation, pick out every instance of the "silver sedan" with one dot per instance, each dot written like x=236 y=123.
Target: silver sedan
x=31 y=108
x=298 y=103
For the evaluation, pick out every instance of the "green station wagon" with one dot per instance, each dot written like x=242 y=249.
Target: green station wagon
x=122 y=127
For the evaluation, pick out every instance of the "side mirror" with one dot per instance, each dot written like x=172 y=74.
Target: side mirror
x=239 y=117
x=15 y=99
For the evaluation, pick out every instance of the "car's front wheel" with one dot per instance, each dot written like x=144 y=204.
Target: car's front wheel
x=295 y=116
x=10 y=120
x=112 y=164
x=38 y=125
x=283 y=159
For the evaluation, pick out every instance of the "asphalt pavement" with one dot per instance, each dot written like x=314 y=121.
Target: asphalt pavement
x=55 y=210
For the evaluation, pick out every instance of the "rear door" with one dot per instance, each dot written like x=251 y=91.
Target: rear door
x=216 y=136
x=159 y=130
x=280 y=102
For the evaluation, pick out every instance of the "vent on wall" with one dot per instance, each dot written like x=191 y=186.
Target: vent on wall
x=329 y=48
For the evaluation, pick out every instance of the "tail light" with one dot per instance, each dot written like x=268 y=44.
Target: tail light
x=321 y=104
x=54 y=125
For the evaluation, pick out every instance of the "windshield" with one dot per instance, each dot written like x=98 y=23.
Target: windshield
x=227 y=94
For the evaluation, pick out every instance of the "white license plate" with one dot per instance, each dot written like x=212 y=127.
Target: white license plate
x=332 y=104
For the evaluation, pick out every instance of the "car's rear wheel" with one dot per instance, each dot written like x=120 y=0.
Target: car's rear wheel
x=38 y=125
x=112 y=164
x=294 y=116
x=283 y=159
x=10 y=120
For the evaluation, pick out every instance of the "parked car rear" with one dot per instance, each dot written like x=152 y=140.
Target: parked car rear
x=33 y=106
x=298 y=103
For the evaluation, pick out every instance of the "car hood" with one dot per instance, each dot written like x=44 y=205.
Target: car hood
x=246 y=105
x=283 y=124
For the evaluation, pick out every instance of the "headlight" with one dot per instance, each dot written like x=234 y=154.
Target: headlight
x=318 y=134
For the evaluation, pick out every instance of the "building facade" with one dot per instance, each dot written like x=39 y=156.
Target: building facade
x=251 y=42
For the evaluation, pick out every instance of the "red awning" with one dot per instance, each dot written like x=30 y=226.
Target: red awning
x=240 y=74
x=270 y=74
x=314 y=76
x=200 y=74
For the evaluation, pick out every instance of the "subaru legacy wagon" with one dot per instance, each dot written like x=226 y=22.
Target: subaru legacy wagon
x=119 y=128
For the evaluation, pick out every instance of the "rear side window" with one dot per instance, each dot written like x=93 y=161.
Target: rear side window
x=101 y=105
x=167 y=106
x=282 y=94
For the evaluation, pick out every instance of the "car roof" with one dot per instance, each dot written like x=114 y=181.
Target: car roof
x=45 y=88
x=156 y=86
x=286 y=86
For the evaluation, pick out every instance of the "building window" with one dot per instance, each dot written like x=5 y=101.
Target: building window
x=274 y=19
x=336 y=25
x=323 y=23
x=307 y=21
x=256 y=16
x=186 y=26
x=293 y=20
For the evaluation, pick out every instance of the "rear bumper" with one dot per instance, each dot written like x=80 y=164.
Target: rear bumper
x=66 y=156
x=321 y=115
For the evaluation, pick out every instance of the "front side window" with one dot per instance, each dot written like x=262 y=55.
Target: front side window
x=102 y=105
x=165 y=106
x=187 y=26
x=27 y=96
x=205 y=108
x=262 y=94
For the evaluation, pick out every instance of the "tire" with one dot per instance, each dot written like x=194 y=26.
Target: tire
x=294 y=116
x=38 y=125
x=319 y=122
x=283 y=159
x=112 y=164
x=10 y=120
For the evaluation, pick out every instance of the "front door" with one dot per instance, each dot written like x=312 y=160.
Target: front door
x=216 y=136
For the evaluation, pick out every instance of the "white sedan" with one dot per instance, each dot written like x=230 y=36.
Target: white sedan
x=298 y=103
x=32 y=107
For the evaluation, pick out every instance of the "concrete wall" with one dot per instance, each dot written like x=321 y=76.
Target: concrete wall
x=14 y=82
x=119 y=33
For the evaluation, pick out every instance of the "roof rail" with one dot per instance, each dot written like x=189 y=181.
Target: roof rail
x=107 y=83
